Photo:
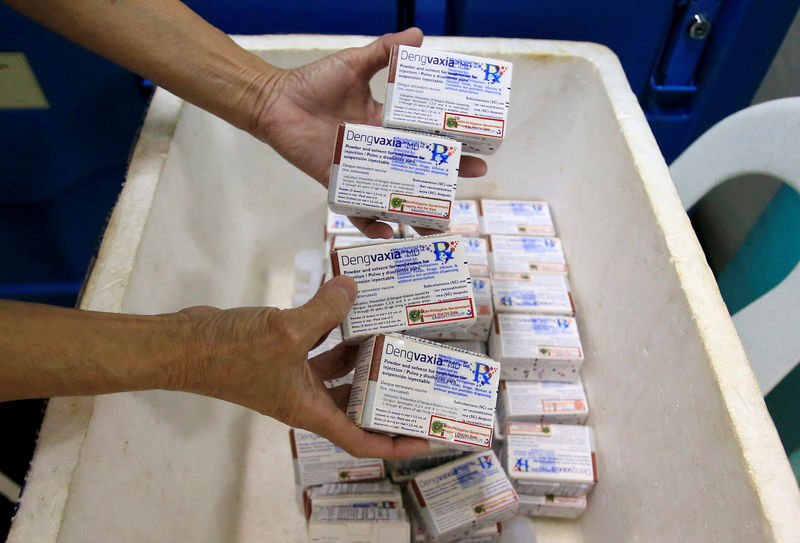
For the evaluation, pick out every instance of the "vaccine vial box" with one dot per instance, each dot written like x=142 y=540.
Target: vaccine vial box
x=532 y=292
x=552 y=506
x=463 y=496
x=516 y=217
x=479 y=330
x=550 y=402
x=525 y=254
x=358 y=525
x=318 y=461
x=536 y=347
x=438 y=92
x=392 y=175
x=406 y=284
x=410 y=386
x=419 y=532
x=340 y=224
x=476 y=249
x=550 y=459
x=381 y=494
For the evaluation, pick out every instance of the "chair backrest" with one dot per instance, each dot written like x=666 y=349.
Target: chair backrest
x=762 y=139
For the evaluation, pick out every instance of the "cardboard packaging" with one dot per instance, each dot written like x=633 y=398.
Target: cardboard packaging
x=542 y=293
x=550 y=402
x=318 y=461
x=525 y=254
x=462 y=96
x=407 y=284
x=550 y=459
x=396 y=176
x=463 y=496
x=358 y=525
x=536 y=347
x=410 y=386
x=516 y=217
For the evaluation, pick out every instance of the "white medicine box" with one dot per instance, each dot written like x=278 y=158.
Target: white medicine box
x=440 y=92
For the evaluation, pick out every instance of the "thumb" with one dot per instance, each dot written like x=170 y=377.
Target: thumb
x=376 y=54
x=328 y=308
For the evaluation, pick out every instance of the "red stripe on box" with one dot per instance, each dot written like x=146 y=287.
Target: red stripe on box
x=377 y=354
x=393 y=63
x=335 y=263
x=293 y=444
x=571 y=303
x=337 y=154
x=594 y=466
x=418 y=493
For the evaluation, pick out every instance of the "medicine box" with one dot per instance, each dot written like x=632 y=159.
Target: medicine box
x=438 y=454
x=406 y=284
x=545 y=459
x=545 y=293
x=525 y=254
x=378 y=494
x=536 y=347
x=520 y=217
x=462 y=96
x=473 y=346
x=463 y=496
x=484 y=313
x=397 y=176
x=358 y=525
x=410 y=386
x=552 y=506
x=549 y=402
x=318 y=461
x=419 y=532
x=340 y=224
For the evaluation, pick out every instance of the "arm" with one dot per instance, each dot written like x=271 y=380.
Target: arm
x=295 y=111
x=255 y=357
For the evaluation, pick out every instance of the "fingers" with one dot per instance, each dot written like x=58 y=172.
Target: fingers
x=335 y=363
x=376 y=54
x=326 y=310
x=372 y=228
x=339 y=429
x=472 y=166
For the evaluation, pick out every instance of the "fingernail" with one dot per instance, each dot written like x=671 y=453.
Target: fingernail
x=346 y=285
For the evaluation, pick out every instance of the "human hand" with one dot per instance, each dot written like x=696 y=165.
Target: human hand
x=302 y=108
x=257 y=357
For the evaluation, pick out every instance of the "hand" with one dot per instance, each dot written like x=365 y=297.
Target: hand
x=257 y=357
x=303 y=107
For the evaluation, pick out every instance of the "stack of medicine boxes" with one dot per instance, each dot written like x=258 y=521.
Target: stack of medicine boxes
x=457 y=491
x=548 y=455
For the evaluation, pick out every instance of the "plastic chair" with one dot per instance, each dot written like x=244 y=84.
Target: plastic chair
x=761 y=139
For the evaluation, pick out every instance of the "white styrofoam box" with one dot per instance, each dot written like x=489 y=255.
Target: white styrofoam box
x=525 y=254
x=550 y=459
x=383 y=494
x=551 y=402
x=521 y=217
x=546 y=293
x=318 y=461
x=676 y=409
x=534 y=347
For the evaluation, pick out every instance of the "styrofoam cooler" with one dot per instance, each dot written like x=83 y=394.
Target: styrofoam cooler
x=686 y=449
